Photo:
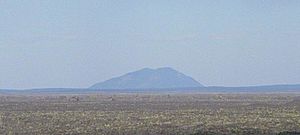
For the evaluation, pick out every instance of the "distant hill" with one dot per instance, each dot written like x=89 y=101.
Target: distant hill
x=157 y=80
x=147 y=78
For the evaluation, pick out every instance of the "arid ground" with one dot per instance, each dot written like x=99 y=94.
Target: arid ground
x=100 y=113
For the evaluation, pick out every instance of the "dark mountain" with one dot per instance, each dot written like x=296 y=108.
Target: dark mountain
x=149 y=79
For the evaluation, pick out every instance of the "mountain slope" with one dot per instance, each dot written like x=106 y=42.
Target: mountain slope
x=149 y=79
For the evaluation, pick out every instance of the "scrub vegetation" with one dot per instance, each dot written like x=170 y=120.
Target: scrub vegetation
x=148 y=114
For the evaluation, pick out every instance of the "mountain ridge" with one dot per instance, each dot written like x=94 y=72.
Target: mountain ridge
x=164 y=77
x=222 y=89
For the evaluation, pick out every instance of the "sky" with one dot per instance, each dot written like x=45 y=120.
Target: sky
x=76 y=43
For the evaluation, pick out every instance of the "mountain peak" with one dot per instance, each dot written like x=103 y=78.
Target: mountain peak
x=158 y=69
x=165 y=68
x=147 y=78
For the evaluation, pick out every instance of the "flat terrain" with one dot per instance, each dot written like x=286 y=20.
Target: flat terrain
x=150 y=114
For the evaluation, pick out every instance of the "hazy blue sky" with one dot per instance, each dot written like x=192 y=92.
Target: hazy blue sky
x=71 y=43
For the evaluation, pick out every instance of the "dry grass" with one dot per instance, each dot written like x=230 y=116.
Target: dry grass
x=150 y=114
